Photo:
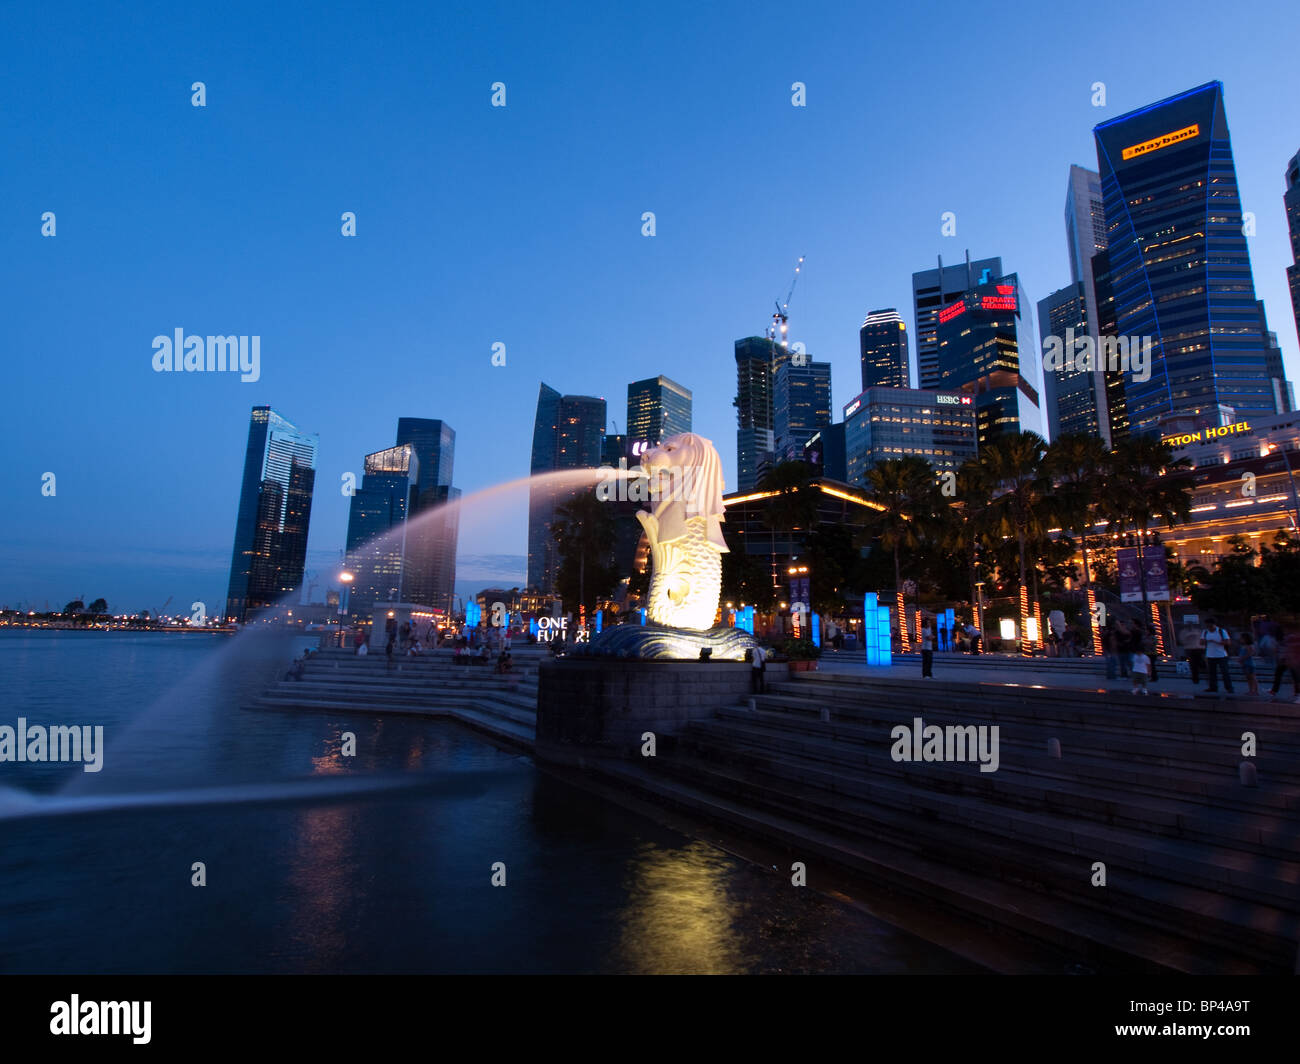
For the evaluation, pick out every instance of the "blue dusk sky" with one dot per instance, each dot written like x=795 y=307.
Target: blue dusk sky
x=519 y=225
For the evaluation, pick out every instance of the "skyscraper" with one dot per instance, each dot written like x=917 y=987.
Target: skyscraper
x=1180 y=269
x=1291 y=199
x=656 y=409
x=274 y=514
x=567 y=434
x=379 y=556
x=932 y=290
x=756 y=361
x=431 y=578
x=882 y=341
x=982 y=335
x=1085 y=230
x=1282 y=394
x=801 y=405
x=884 y=424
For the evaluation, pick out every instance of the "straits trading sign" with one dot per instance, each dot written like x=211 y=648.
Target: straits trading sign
x=1148 y=146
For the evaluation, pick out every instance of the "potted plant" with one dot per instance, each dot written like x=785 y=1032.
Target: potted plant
x=801 y=654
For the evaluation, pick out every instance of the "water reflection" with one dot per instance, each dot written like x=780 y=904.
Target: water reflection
x=679 y=917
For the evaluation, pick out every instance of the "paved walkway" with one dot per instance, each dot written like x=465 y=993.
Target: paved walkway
x=1078 y=674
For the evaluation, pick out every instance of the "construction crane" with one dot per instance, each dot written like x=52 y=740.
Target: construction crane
x=779 y=330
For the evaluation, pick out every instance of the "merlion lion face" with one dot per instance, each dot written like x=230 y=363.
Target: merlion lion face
x=686 y=468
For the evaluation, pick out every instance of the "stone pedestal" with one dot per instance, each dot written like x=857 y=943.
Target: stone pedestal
x=604 y=705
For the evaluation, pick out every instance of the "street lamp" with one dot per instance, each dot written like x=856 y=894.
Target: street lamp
x=1295 y=503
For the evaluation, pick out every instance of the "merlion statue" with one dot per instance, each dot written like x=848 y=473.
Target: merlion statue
x=684 y=530
x=683 y=526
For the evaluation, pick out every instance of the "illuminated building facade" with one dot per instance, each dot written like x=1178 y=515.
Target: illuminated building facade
x=431 y=576
x=882 y=341
x=757 y=359
x=377 y=549
x=932 y=291
x=980 y=336
x=1179 y=266
x=656 y=409
x=801 y=405
x=274 y=515
x=567 y=434
x=887 y=423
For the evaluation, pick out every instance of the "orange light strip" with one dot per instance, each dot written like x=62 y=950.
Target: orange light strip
x=904 y=634
x=1092 y=622
x=1160 y=629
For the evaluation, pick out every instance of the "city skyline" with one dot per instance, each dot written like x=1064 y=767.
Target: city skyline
x=274 y=264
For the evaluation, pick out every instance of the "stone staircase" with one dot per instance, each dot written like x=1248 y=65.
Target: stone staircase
x=431 y=684
x=1202 y=873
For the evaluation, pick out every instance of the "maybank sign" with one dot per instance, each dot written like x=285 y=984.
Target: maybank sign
x=1169 y=139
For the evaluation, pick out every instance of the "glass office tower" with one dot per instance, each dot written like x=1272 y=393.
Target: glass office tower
x=1291 y=200
x=801 y=406
x=981 y=337
x=656 y=409
x=757 y=359
x=1180 y=270
x=932 y=291
x=882 y=342
x=568 y=433
x=274 y=515
x=431 y=577
x=377 y=547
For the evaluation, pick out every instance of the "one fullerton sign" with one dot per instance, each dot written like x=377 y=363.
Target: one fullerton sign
x=1148 y=146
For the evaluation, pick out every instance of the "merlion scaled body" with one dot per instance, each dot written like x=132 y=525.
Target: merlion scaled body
x=684 y=530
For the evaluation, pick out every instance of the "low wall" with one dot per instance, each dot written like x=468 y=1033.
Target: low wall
x=605 y=705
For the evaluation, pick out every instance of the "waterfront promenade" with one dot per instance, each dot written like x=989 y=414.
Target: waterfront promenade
x=1117 y=834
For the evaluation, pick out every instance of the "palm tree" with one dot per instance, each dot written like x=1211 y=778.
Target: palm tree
x=905 y=491
x=1078 y=463
x=1142 y=489
x=1013 y=464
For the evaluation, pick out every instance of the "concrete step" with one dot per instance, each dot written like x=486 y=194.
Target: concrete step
x=1102 y=939
x=1249 y=930
x=1103 y=773
x=1218 y=864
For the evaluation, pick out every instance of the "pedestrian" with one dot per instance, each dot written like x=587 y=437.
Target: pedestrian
x=1138 y=668
x=1216 y=655
x=1124 y=647
x=973 y=634
x=758 y=666
x=1246 y=658
x=1194 y=650
x=1108 y=652
x=927 y=650
x=1288 y=660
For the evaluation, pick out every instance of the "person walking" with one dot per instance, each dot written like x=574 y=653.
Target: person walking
x=1109 y=652
x=758 y=666
x=927 y=650
x=1288 y=660
x=1216 y=656
x=1246 y=658
x=1139 y=668
x=1194 y=650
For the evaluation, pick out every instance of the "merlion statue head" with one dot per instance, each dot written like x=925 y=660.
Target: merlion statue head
x=686 y=468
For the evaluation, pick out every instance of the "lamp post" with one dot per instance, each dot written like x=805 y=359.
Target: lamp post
x=1295 y=502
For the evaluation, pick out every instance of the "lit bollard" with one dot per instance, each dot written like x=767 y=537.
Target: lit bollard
x=1054 y=748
